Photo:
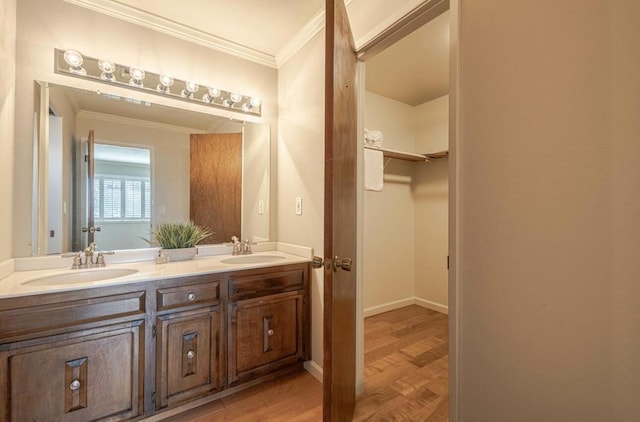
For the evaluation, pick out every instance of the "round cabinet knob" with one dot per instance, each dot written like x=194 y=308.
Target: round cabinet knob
x=191 y=354
x=270 y=332
x=74 y=385
x=191 y=297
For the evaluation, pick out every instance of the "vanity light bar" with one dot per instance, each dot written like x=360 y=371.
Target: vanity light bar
x=73 y=63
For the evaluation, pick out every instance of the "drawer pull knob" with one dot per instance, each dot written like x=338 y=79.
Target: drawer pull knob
x=191 y=297
x=191 y=354
x=270 y=332
x=74 y=385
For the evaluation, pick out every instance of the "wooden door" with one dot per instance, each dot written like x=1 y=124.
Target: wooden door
x=216 y=184
x=339 y=368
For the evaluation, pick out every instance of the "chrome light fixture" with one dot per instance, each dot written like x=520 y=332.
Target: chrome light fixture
x=72 y=63
x=233 y=99
x=74 y=59
x=211 y=95
x=137 y=76
x=252 y=103
x=108 y=68
x=166 y=82
x=189 y=89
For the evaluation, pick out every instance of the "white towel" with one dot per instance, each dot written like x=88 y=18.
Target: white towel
x=373 y=170
x=373 y=137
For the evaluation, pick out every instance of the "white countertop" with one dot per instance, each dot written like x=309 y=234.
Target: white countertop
x=13 y=284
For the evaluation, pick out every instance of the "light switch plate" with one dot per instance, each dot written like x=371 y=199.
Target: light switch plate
x=298 y=205
x=261 y=206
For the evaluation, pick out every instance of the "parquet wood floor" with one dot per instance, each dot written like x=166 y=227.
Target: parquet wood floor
x=406 y=378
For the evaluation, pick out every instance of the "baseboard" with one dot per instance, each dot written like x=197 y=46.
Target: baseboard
x=314 y=369
x=386 y=307
x=431 y=305
x=390 y=306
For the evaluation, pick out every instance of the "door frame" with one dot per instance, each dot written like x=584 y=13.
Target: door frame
x=408 y=22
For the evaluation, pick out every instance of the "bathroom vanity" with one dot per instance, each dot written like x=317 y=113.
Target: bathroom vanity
x=129 y=349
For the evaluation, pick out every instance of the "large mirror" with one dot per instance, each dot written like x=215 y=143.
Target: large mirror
x=115 y=166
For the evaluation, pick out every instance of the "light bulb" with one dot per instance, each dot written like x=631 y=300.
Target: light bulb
x=211 y=95
x=255 y=102
x=233 y=99
x=189 y=89
x=74 y=59
x=137 y=75
x=166 y=82
x=108 y=68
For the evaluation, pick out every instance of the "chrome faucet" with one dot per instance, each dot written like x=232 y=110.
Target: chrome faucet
x=241 y=247
x=79 y=264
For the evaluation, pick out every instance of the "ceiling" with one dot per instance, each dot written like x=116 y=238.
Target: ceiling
x=413 y=70
x=416 y=68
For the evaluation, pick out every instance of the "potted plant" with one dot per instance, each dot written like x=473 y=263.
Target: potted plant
x=178 y=240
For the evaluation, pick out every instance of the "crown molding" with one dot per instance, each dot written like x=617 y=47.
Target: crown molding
x=148 y=20
x=302 y=37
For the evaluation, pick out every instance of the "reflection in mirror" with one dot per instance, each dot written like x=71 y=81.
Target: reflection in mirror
x=151 y=164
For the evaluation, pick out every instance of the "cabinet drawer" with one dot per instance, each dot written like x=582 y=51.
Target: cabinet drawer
x=195 y=294
x=246 y=287
x=32 y=321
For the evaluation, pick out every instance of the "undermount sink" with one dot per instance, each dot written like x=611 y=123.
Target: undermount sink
x=79 y=276
x=252 y=259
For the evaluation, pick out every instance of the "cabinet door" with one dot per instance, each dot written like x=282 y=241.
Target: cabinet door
x=81 y=378
x=265 y=334
x=188 y=361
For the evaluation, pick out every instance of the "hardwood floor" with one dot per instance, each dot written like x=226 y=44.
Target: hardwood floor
x=405 y=367
x=406 y=378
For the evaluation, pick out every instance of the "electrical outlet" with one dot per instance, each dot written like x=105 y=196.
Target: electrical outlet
x=261 y=206
x=298 y=205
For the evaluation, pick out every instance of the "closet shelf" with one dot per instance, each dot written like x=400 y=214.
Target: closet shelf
x=410 y=156
x=391 y=153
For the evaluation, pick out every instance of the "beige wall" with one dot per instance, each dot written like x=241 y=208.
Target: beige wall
x=548 y=195
x=389 y=230
x=43 y=26
x=7 y=107
x=59 y=103
x=431 y=122
x=170 y=149
x=255 y=182
x=405 y=241
x=301 y=164
x=431 y=196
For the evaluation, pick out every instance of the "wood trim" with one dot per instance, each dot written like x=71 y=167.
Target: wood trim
x=413 y=20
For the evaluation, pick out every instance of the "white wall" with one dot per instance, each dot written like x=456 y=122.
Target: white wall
x=548 y=200
x=7 y=111
x=43 y=26
x=301 y=164
x=389 y=254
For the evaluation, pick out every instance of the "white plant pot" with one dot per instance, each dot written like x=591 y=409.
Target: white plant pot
x=182 y=254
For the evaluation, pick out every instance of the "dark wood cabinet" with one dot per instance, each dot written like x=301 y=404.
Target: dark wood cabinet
x=267 y=321
x=265 y=334
x=82 y=376
x=188 y=356
x=128 y=351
